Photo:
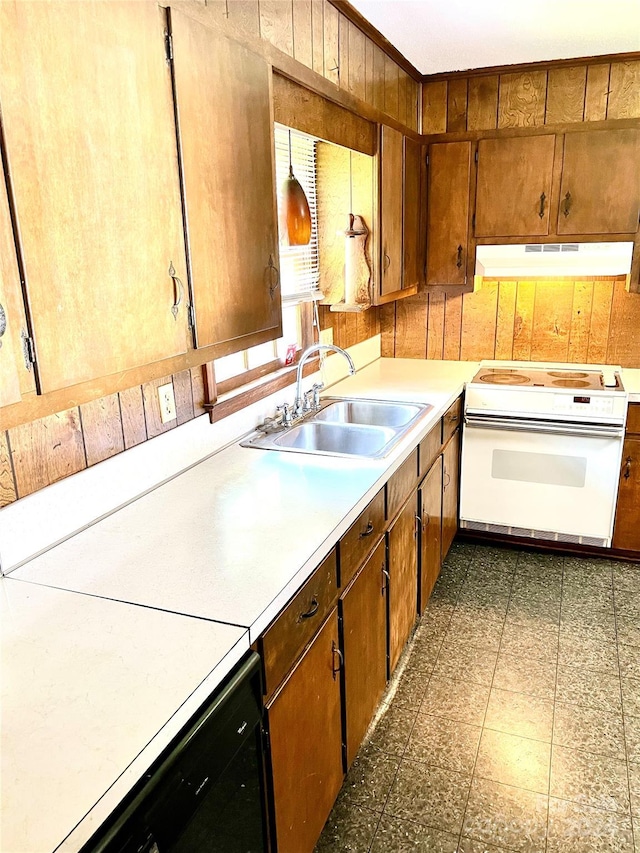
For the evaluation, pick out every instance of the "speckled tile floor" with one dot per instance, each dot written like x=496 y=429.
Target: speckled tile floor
x=513 y=722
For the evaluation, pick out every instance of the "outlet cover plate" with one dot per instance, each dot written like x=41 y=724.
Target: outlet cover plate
x=167 y=400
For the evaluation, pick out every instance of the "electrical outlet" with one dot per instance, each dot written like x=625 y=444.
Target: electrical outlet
x=326 y=336
x=167 y=400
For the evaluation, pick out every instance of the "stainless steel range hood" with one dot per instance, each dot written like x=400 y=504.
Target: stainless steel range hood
x=544 y=260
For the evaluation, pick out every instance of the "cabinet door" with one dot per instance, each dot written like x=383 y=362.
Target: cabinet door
x=600 y=189
x=364 y=630
x=11 y=363
x=226 y=144
x=448 y=212
x=412 y=243
x=403 y=579
x=305 y=737
x=390 y=211
x=430 y=531
x=90 y=141
x=626 y=533
x=514 y=185
x=450 y=491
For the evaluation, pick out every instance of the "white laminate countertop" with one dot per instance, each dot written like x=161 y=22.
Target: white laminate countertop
x=92 y=692
x=234 y=537
x=229 y=540
x=631 y=382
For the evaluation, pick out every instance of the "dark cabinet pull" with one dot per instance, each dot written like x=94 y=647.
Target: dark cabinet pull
x=179 y=290
x=336 y=651
x=459 y=261
x=567 y=204
x=426 y=520
x=3 y=322
x=542 y=201
x=627 y=467
x=446 y=480
x=367 y=531
x=387 y=262
x=453 y=419
x=311 y=611
x=274 y=276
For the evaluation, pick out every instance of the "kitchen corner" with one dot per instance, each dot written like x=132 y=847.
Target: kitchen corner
x=228 y=541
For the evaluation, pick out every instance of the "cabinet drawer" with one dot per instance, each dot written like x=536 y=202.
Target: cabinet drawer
x=451 y=420
x=633 y=419
x=287 y=636
x=401 y=484
x=363 y=535
x=430 y=448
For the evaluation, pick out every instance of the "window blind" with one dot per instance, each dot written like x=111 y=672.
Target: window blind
x=299 y=272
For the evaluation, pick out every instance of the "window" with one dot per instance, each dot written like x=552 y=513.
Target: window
x=299 y=272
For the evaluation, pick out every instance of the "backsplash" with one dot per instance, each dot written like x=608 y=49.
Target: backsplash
x=36 y=454
x=562 y=320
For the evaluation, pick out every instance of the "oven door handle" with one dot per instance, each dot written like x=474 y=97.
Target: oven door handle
x=543 y=427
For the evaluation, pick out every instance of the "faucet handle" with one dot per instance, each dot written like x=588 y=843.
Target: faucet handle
x=315 y=390
x=285 y=410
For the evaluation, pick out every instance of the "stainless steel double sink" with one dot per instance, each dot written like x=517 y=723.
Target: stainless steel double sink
x=345 y=427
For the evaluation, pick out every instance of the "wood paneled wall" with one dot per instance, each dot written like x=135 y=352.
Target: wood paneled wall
x=562 y=320
x=36 y=454
x=587 y=91
x=318 y=35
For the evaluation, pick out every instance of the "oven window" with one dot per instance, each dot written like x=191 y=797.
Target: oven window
x=547 y=468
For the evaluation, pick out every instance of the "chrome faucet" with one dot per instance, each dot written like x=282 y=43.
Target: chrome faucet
x=298 y=405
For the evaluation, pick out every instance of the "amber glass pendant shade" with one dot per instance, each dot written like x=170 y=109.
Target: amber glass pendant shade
x=297 y=216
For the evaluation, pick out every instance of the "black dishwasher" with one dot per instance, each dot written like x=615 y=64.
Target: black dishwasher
x=204 y=793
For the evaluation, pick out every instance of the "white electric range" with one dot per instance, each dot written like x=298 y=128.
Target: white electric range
x=541 y=451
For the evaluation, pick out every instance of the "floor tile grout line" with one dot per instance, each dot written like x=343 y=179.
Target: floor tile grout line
x=482 y=727
x=401 y=757
x=624 y=728
x=553 y=714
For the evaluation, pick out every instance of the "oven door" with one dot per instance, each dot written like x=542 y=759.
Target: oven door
x=540 y=479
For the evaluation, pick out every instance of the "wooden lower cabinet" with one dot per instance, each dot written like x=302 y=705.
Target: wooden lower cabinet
x=450 y=491
x=430 y=513
x=402 y=541
x=626 y=532
x=305 y=740
x=363 y=611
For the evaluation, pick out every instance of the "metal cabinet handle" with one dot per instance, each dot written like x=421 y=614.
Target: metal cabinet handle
x=567 y=204
x=3 y=322
x=387 y=262
x=311 y=611
x=453 y=419
x=542 y=201
x=459 y=261
x=426 y=520
x=336 y=651
x=367 y=531
x=179 y=291
x=627 y=467
x=447 y=480
x=274 y=283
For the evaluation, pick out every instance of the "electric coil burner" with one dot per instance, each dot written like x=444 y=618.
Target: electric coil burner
x=541 y=451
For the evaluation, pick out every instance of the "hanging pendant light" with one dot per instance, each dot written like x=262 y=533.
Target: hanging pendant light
x=296 y=216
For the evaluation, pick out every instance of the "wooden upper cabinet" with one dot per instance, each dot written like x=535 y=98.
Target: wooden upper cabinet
x=600 y=189
x=226 y=144
x=448 y=212
x=15 y=379
x=391 y=210
x=87 y=114
x=514 y=186
x=412 y=242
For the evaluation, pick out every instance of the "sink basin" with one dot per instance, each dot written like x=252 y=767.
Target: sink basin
x=373 y=412
x=336 y=439
x=368 y=429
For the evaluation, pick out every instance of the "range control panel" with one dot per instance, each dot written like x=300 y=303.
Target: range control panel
x=582 y=404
